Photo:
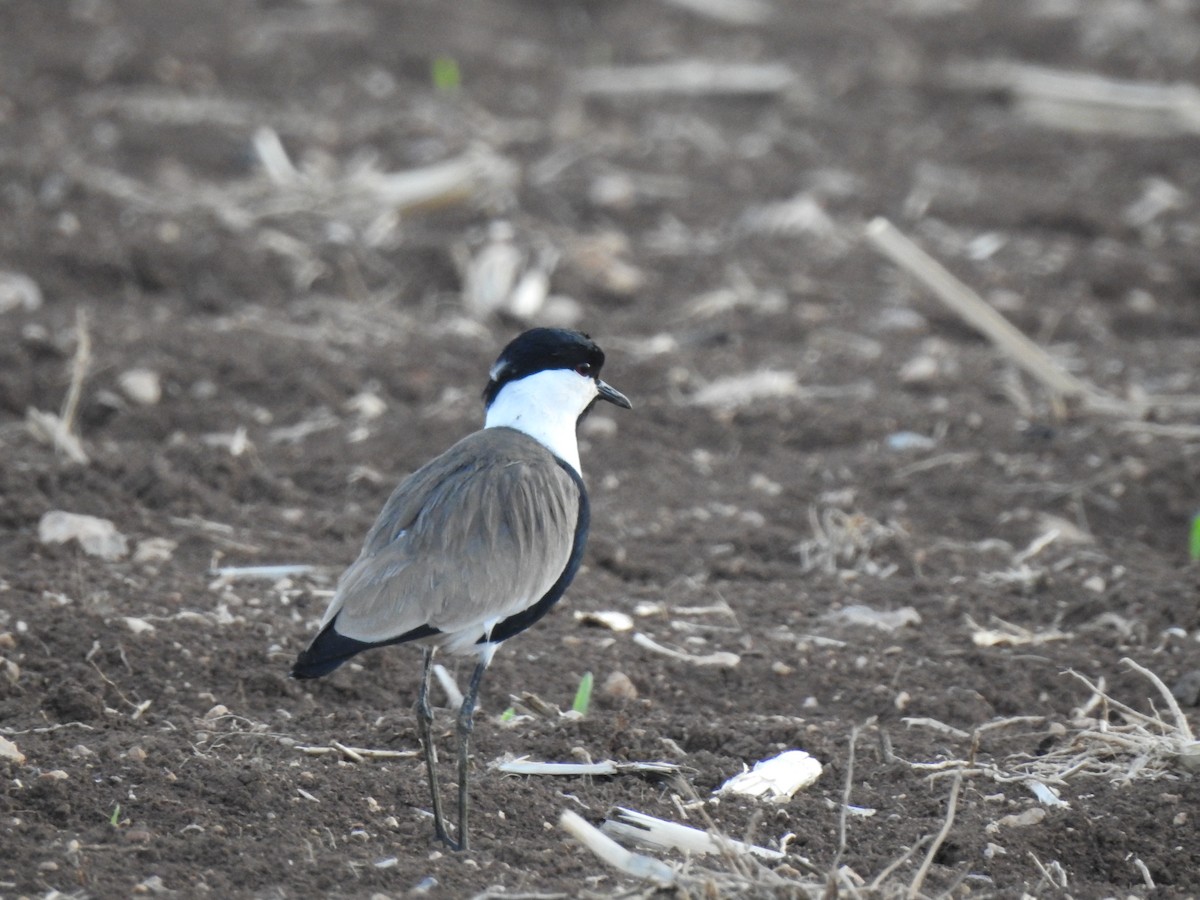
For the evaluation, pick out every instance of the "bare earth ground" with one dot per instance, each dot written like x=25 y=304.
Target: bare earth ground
x=312 y=346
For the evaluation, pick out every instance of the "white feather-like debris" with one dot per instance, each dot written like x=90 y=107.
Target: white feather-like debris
x=777 y=778
x=524 y=766
x=636 y=827
x=722 y=658
x=609 y=851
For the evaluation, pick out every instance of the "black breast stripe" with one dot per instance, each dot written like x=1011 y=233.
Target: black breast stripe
x=518 y=622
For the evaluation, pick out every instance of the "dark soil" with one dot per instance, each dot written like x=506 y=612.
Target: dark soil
x=166 y=759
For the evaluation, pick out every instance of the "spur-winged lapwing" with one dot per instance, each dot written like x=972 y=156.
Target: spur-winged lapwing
x=477 y=544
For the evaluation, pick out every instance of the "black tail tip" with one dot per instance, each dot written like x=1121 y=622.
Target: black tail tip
x=307 y=665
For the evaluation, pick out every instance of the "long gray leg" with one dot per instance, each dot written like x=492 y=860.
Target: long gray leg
x=466 y=722
x=425 y=721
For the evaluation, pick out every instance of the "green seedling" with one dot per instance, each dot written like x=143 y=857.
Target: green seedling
x=446 y=74
x=583 y=696
x=508 y=715
x=1194 y=540
x=115 y=819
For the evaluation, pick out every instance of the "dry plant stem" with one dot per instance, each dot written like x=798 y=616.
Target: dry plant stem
x=896 y=864
x=974 y=310
x=1181 y=722
x=914 y=889
x=846 y=789
x=1076 y=95
x=608 y=850
x=79 y=367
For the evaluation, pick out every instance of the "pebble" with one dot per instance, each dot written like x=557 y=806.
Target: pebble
x=919 y=370
x=142 y=386
x=18 y=291
x=619 y=686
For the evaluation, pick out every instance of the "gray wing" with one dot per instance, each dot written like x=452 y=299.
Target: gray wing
x=479 y=533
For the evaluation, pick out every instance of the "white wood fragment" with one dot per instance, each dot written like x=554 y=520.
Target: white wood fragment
x=1084 y=101
x=50 y=429
x=274 y=158
x=612 y=620
x=362 y=753
x=720 y=658
x=609 y=851
x=694 y=77
x=97 y=537
x=136 y=625
x=272 y=573
x=604 y=767
x=750 y=387
x=884 y=620
x=635 y=827
x=8 y=750
x=454 y=697
x=1032 y=816
x=1046 y=795
x=731 y=12
x=151 y=550
x=777 y=778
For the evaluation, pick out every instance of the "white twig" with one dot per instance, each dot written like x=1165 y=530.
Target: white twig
x=649 y=831
x=604 y=767
x=721 y=658
x=636 y=865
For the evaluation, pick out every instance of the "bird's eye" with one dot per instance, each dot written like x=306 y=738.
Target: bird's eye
x=584 y=369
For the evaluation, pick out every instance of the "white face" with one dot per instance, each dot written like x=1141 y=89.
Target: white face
x=546 y=405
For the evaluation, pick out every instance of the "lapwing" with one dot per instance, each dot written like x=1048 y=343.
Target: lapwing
x=480 y=542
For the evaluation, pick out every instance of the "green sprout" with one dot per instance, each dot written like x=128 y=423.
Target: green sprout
x=115 y=819
x=583 y=696
x=446 y=74
x=1194 y=540
x=508 y=715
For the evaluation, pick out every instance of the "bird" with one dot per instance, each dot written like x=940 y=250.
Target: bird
x=480 y=542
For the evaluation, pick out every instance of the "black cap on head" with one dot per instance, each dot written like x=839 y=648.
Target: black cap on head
x=540 y=349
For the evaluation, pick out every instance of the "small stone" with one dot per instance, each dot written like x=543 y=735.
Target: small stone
x=18 y=291
x=142 y=386
x=8 y=750
x=153 y=550
x=619 y=686
x=137 y=626
x=919 y=370
x=367 y=405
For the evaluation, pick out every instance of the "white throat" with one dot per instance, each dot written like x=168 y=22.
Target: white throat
x=545 y=406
